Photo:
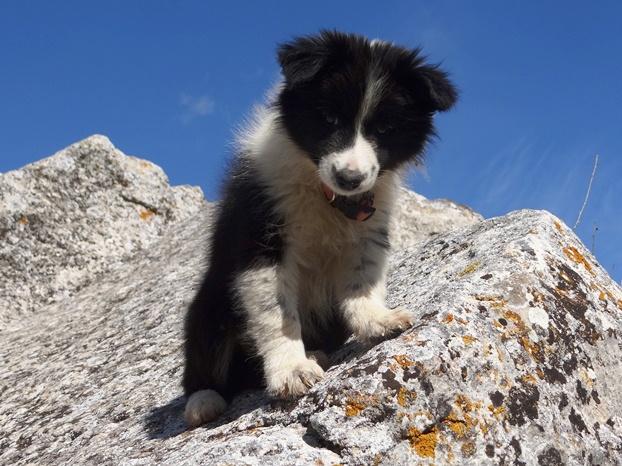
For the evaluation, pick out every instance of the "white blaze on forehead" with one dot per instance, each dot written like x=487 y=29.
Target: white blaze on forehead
x=373 y=94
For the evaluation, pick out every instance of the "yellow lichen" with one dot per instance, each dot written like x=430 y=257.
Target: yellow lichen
x=424 y=444
x=496 y=302
x=573 y=254
x=146 y=214
x=457 y=426
x=468 y=449
x=403 y=360
x=496 y=411
x=533 y=349
x=468 y=339
x=472 y=267
x=356 y=403
x=528 y=378
x=405 y=396
x=354 y=407
x=466 y=405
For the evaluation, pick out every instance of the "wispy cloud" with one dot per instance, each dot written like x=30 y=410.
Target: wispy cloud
x=195 y=107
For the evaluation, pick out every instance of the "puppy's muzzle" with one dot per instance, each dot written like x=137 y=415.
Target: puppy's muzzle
x=347 y=179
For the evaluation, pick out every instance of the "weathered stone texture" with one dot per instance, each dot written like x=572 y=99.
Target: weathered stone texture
x=515 y=358
x=67 y=219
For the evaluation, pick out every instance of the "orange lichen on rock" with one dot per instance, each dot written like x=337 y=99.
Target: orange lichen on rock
x=448 y=318
x=514 y=317
x=424 y=443
x=468 y=449
x=405 y=396
x=458 y=426
x=354 y=407
x=528 y=378
x=468 y=339
x=403 y=360
x=146 y=214
x=23 y=220
x=496 y=302
x=496 y=411
x=574 y=255
x=558 y=226
x=468 y=407
x=357 y=403
x=533 y=349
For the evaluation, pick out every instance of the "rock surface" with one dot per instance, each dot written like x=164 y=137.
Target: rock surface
x=515 y=359
x=70 y=218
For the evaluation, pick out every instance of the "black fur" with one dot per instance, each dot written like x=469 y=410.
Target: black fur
x=325 y=81
x=325 y=78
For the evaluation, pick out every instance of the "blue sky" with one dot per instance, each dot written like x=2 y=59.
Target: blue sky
x=541 y=90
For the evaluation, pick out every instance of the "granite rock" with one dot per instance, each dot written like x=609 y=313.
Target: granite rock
x=68 y=219
x=515 y=358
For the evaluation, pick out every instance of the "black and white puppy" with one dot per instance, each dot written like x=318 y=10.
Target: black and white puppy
x=298 y=256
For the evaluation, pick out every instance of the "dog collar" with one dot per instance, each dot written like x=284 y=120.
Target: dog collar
x=359 y=208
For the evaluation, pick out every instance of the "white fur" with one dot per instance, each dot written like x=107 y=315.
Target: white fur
x=274 y=327
x=326 y=255
x=204 y=406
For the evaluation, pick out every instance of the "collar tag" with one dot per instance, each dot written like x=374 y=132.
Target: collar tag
x=359 y=208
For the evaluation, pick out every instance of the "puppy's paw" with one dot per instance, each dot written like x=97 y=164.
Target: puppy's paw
x=295 y=380
x=204 y=406
x=385 y=323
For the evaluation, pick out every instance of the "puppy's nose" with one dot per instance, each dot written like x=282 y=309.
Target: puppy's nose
x=349 y=179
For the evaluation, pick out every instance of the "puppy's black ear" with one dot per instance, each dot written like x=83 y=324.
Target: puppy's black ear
x=441 y=92
x=428 y=84
x=303 y=58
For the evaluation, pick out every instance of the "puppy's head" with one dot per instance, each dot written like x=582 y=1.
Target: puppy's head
x=357 y=107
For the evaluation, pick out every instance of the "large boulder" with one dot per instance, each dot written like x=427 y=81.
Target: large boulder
x=70 y=218
x=514 y=359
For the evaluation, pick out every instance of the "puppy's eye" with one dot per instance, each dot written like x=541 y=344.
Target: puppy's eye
x=331 y=119
x=384 y=128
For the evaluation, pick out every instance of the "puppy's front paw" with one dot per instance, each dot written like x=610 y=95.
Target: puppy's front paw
x=295 y=380
x=384 y=323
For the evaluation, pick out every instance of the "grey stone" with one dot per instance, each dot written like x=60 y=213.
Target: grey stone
x=515 y=358
x=418 y=219
x=68 y=219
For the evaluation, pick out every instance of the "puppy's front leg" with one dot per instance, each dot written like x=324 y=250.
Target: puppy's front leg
x=268 y=295
x=362 y=295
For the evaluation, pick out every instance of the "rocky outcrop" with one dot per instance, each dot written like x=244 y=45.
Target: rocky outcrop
x=514 y=359
x=68 y=219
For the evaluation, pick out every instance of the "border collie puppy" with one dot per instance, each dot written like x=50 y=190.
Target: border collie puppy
x=298 y=254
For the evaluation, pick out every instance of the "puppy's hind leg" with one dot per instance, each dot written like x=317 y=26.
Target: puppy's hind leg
x=204 y=406
x=209 y=350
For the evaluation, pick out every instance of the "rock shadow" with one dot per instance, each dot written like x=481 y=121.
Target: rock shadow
x=167 y=421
